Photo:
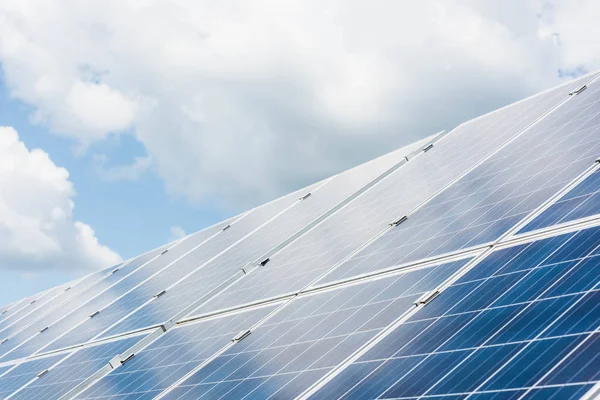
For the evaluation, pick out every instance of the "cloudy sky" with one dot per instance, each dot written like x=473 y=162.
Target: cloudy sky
x=128 y=123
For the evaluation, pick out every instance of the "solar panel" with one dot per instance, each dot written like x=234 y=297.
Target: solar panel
x=496 y=195
x=510 y=324
x=23 y=339
x=464 y=266
x=581 y=202
x=306 y=338
x=16 y=376
x=71 y=370
x=369 y=215
x=183 y=288
x=173 y=356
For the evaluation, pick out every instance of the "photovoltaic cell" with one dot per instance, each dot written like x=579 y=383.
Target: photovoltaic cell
x=25 y=339
x=580 y=202
x=18 y=375
x=250 y=250
x=307 y=339
x=172 y=356
x=496 y=195
x=367 y=216
x=73 y=370
x=483 y=337
x=139 y=294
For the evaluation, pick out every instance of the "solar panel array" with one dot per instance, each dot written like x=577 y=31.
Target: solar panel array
x=463 y=266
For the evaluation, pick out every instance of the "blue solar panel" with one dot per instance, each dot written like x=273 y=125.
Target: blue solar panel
x=172 y=356
x=25 y=338
x=143 y=292
x=496 y=195
x=367 y=216
x=219 y=270
x=580 y=202
x=490 y=332
x=306 y=339
x=313 y=294
x=18 y=375
x=72 y=370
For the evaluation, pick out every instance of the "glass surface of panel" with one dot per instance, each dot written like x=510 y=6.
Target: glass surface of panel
x=73 y=370
x=310 y=336
x=172 y=356
x=496 y=195
x=132 y=290
x=25 y=339
x=482 y=334
x=580 y=202
x=20 y=374
x=239 y=233
x=354 y=225
x=222 y=269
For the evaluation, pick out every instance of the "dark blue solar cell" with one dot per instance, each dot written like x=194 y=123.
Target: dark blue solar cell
x=402 y=336
x=481 y=328
x=487 y=292
x=541 y=252
x=532 y=363
x=429 y=340
x=583 y=365
x=416 y=381
x=534 y=284
x=584 y=242
x=532 y=320
x=580 y=277
x=473 y=371
x=583 y=316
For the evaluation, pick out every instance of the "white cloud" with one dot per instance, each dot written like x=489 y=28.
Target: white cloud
x=37 y=229
x=177 y=232
x=237 y=97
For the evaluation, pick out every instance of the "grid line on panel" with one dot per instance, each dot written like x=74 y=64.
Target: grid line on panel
x=445 y=314
x=257 y=263
x=197 y=342
x=105 y=276
x=71 y=370
x=387 y=331
x=485 y=343
x=95 y=296
x=244 y=292
x=468 y=267
x=172 y=246
x=282 y=314
x=439 y=208
x=166 y=324
x=71 y=291
x=406 y=216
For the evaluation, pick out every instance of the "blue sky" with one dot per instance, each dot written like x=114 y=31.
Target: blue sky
x=123 y=123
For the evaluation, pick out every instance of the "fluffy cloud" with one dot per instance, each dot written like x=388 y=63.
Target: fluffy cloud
x=245 y=100
x=37 y=229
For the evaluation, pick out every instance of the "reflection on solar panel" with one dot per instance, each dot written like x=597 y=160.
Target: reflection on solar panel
x=464 y=266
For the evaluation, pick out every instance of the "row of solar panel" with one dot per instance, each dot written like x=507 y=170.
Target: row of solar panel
x=522 y=320
x=368 y=201
x=139 y=280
